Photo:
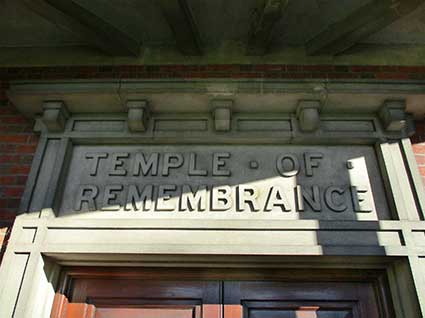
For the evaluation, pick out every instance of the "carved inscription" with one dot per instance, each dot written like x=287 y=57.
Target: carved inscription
x=220 y=198
x=303 y=180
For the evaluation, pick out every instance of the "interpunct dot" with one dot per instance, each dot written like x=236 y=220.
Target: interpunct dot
x=253 y=164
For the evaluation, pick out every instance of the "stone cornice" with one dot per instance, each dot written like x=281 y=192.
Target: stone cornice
x=256 y=110
x=338 y=97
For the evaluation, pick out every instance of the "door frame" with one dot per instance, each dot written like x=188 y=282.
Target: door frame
x=42 y=285
x=385 y=277
x=376 y=276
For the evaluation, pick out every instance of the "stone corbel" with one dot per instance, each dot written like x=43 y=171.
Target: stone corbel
x=55 y=115
x=222 y=114
x=393 y=115
x=138 y=115
x=308 y=115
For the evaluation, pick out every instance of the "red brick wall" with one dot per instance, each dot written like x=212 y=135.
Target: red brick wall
x=379 y=72
x=17 y=147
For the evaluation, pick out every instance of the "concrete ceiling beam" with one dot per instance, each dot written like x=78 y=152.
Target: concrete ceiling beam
x=360 y=24
x=180 y=18
x=263 y=21
x=73 y=16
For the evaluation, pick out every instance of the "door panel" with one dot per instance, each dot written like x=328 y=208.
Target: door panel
x=300 y=300
x=63 y=309
x=128 y=298
x=144 y=292
x=146 y=298
x=204 y=311
x=302 y=314
x=148 y=313
x=300 y=310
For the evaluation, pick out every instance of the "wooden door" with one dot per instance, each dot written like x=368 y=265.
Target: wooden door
x=130 y=298
x=151 y=293
x=300 y=300
x=63 y=309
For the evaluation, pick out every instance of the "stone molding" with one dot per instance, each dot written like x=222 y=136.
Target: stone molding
x=140 y=124
x=249 y=95
x=358 y=104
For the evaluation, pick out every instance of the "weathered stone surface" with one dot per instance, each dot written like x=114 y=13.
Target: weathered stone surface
x=230 y=182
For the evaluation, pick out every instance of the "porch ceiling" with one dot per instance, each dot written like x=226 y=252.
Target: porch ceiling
x=198 y=27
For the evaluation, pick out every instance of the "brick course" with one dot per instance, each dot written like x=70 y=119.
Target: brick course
x=18 y=143
x=381 y=72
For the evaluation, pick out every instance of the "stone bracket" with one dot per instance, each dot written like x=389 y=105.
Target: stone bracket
x=138 y=115
x=308 y=114
x=55 y=115
x=393 y=115
x=222 y=113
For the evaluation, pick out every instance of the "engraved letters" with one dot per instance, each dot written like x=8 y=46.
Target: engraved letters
x=193 y=171
x=219 y=164
x=146 y=166
x=95 y=161
x=193 y=182
x=164 y=201
x=110 y=197
x=117 y=164
x=288 y=165
x=193 y=201
x=244 y=198
x=86 y=194
x=277 y=198
x=171 y=161
x=139 y=200
x=221 y=198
